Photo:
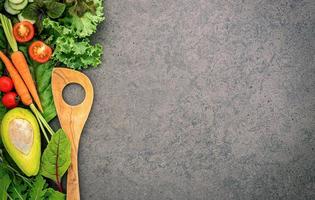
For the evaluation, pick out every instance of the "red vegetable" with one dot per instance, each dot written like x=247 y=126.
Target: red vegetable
x=40 y=52
x=6 y=84
x=23 y=31
x=10 y=100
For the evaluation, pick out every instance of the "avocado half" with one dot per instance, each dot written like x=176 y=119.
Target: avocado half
x=21 y=137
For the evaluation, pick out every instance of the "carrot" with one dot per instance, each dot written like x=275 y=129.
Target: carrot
x=19 y=60
x=20 y=63
x=19 y=84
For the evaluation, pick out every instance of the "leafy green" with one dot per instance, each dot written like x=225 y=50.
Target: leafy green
x=41 y=8
x=72 y=52
x=55 y=9
x=38 y=190
x=84 y=17
x=43 y=79
x=18 y=190
x=5 y=182
x=3 y=110
x=3 y=40
x=77 y=54
x=3 y=45
x=54 y=195
x=56 y=157
x=32 y=11
x=17 y=187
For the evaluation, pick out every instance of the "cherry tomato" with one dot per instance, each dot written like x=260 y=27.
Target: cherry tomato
x=40 y=52
x=10 y=100
x=6 y=84
x=23 y=31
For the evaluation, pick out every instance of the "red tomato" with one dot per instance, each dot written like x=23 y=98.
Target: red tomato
x=10 y=100
x=40 y=52
x=23 y=31
x=6 y=84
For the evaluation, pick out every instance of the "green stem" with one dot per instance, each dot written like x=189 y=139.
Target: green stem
x=7 y=27
x=41 y=119
x=10 y=198
x=18 y=174
x=42 y=128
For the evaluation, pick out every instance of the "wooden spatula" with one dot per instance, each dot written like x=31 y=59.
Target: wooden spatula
x=72 y=119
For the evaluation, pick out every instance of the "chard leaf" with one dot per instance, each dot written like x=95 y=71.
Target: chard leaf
x=44 y=89
x=38 y=189
x=56 y=157
x=55 y=9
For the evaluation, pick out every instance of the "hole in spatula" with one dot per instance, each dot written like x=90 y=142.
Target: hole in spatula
x=73 y=94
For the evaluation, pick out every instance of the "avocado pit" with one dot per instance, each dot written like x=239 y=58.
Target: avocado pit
x=21 y=134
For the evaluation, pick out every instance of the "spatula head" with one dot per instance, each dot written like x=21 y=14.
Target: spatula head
x=72 y=118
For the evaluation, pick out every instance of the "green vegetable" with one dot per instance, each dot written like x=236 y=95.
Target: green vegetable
x=38 y=190
x=72 y=52
x=3 y=45
x=44 y=89
x=18 y=190
x=38 y=10
x=3 y=40
x=15 y=186
x=5 y=182
x=7 y=27
x=77 y=55
x=54 y=9
x=56 y=158
x=3 y=110
x=84 y=24
x=19 y=6
x=54 y=195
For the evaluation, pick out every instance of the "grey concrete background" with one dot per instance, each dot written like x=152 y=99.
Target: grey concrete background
x=203 y=99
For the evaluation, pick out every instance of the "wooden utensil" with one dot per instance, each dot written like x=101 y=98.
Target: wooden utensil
x=72 y=119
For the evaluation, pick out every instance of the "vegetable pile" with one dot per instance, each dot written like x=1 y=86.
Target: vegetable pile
x=35 y=37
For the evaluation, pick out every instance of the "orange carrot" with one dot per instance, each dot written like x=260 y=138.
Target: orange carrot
x=19 y=60
x=21 y=65
x=19 y=84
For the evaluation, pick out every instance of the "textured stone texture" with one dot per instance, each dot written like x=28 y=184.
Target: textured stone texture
x=203 y=99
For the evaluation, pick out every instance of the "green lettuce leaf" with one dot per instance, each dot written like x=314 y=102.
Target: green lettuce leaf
x=43 y=79
x=77 y=54
x=56 y=157
x=70 y=51
x=56 y=29
x=86 y=24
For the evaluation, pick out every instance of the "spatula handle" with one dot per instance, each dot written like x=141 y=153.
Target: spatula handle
x=73 y=188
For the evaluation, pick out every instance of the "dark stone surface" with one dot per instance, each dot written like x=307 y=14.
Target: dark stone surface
x=203 y=99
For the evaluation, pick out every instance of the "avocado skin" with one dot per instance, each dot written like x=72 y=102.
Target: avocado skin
x=30 y=163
